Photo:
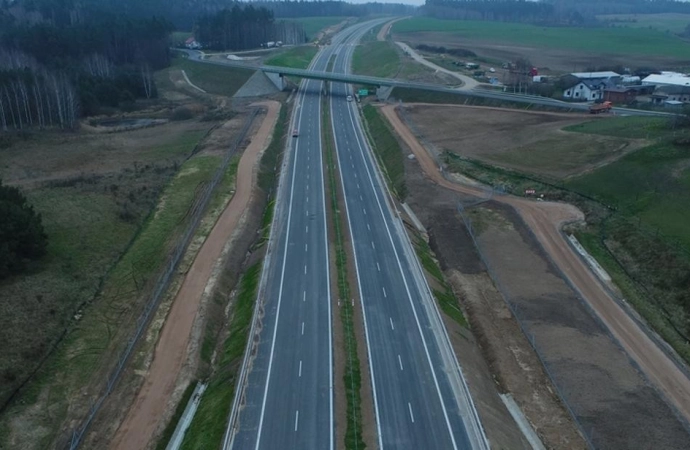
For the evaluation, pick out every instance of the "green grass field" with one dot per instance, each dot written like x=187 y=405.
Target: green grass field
x=212 y=78
x=626 y=41
x=296 y=57
x=671 y=22
x=313 y=25
x=625 y=127
x=376 y=59
x=652 y=184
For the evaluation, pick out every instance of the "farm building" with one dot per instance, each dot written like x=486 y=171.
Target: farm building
x=607 y=75
x=619 y=95
x=665 y=94
x=667 y=79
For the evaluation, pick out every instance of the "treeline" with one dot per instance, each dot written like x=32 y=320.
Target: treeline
x=59 y=62
x=245 y=27
x=547 y=12
x=290 y=9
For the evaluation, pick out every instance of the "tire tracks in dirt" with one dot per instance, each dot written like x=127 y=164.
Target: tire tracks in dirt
x=545 y=220
x=143 y=420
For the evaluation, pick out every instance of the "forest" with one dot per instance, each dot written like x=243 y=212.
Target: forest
x=242 y=28
x=58 y=64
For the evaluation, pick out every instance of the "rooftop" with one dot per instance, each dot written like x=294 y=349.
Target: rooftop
x=668 y=78
x=590 y=75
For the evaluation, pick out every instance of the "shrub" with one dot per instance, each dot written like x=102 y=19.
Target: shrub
x=22 y=237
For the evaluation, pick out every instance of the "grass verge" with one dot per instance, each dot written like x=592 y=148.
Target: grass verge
x=312 y=25
x=376 y=59
x=210 y=421
x=353 y=378
x=387 y=150
x=442 y=292
x=212 y=78
x=296 y=57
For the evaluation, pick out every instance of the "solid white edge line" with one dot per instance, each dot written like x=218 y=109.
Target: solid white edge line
x=359 y=286
x=407 y=289
x=280 y=289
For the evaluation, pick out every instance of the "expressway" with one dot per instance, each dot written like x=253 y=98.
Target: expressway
x=288 y=393
x=420 y=398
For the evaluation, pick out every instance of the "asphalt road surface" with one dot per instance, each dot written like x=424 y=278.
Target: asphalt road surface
x=420 y=399
x=289 y=389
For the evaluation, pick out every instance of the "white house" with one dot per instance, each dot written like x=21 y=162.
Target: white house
x=586 y=90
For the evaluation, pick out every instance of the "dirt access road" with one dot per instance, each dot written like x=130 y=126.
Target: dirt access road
x=468 y=83
x=143 y=420
x=545 y=220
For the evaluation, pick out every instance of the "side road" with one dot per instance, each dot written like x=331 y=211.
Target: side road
x=171 y=353
x=546 y=219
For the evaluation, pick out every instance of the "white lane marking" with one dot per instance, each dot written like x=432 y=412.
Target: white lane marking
x=307 y=199
x=297 y=418
x=357 y=185
x=399 y=362
x=306 y=247
x=392 y=326
x=304 y=299
x=372 y=245
x=407 y=287
x=302 y=328
x=378 y=267
x=410 y=408
x=307 y=187
x=280 y=294
x=355 y=175
x=368 y=227
x=306 y=230
x=365 y=211
x=384 y=292
x=360 y=197
x=305 y=269
x=300 y=367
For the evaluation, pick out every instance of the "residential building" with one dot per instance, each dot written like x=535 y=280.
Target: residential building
x=587 y=90
x=665 y=94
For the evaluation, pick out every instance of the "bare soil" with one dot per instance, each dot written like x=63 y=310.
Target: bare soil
x=543 y=58
x=151 y=403
x=584 y=337
x=530 y=141
x=494 y=354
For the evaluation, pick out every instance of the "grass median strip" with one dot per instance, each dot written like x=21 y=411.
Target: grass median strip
x=353 y=377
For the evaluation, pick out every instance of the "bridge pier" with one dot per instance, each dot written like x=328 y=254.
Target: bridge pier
x=383 y=92
x=277 y=79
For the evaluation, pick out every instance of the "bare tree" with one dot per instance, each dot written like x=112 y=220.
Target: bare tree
x=147 y=79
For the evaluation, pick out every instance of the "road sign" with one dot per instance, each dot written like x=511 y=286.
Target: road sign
x=363 y=92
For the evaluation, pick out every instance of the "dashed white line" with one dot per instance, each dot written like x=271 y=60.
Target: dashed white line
x=365 y=211
x=302 y=328
x=297 y=418
x=305 y=269
x=373 y=245
x=392 y=326
x=304 y=299
x=306 y=247
x=368 y=227
x=411 y=415
x=360 y=197
x=307 y=229
x=300 y=368
x=384 y=292
x=399 y=362
x=378 y=267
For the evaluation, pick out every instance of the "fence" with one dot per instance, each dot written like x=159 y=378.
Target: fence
x=162 y=282
x=505 y=294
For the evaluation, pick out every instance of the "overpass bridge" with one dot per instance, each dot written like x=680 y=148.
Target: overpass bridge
x=385 y=85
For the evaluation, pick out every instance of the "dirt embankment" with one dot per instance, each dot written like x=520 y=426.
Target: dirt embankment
x=544 y=221
x=175 y=348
